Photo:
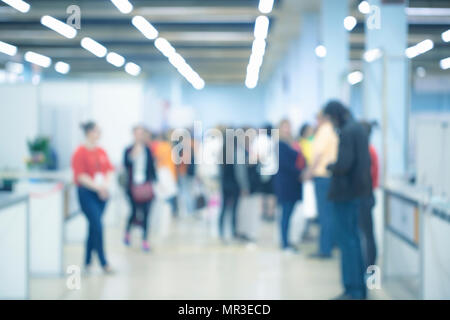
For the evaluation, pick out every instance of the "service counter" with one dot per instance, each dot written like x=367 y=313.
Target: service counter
x=14 y=246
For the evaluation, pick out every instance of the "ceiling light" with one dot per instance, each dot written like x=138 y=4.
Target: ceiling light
x=58 y=26
x=321 y=51
x=115 y=59
x=259 y=47
x=421 y=47
x=261 y=27
x=123 y=5
x=446 y=36
x=147 y=29
x=8 y=49
x=19 y=5
x=350 y=22
x=164 y=46
x=38 y=59
x=132 y=68
x=364 y=7
x=62 y=67
x=445 y=63
x=94 y=47
x=265 y=6
x=355 y=77
x=372 y=54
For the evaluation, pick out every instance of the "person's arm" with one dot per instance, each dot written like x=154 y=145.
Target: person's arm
x=86 y=181
x=346 y=155
x=80 y=172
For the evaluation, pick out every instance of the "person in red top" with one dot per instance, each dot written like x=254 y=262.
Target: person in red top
x=91 y=172
x=368 y=246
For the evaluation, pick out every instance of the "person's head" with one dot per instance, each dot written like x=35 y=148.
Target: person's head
x=91 y=131
x=337 y=113
x=268 y=127
x=285 y=129
x=140 y=134
x=306 y=131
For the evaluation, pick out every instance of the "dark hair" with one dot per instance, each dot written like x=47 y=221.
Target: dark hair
x=268 y=127
x=337 y=112
x=304 y=129
x=88 y=126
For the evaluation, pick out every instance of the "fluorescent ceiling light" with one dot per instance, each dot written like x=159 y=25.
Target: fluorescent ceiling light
x=58 y=26
x=259 y=47
x=446 y=36
x=124 y=6
x=94 y=47
x=115 y=59
x=445 y=63
x=8 y=49
x=321 y=51
x=38 y=59
x=265 y=6
x=165 y=47
x=372 y=54
x=436 y=12
x=350 y=22
x=62 y=67
x=261 y=27
x=421 y=47
x=145 y=27
x=355 y=77
x=19 y=5
x=364 y=7
x=132 y=68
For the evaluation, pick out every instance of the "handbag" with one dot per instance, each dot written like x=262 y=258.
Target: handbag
x=142 y=193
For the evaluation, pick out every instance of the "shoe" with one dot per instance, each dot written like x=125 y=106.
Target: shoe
x=126 y=239
x=108 y=270
x=319 y=255
x=291 y=250
x=145 y=246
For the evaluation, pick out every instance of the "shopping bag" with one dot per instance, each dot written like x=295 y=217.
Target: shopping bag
x=309 y=200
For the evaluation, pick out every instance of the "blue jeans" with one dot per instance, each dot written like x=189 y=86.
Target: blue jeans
x=347 y=231
x=287 y=207
x=229 y=201
x=325 y=212
x=93 y=207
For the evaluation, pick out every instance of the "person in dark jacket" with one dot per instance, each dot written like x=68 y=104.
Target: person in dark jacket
x=287 y=181
x=139 y=164
x=350 y=181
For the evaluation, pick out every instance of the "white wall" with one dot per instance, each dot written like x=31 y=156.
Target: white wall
x=18 y=123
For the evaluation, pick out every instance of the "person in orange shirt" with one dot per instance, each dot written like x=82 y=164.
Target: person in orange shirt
x=91 y=172
x=163 y=156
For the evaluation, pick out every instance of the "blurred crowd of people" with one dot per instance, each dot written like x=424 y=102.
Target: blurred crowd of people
x=326 y=174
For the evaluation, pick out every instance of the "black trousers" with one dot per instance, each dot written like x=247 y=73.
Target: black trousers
x=229 y=201
x=365 y=222
x=144 y=208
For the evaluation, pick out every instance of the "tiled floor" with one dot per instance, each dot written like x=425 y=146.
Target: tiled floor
x=189 y=263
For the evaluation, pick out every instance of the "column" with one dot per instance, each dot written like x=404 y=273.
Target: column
x=335 y=37
x=385 y=83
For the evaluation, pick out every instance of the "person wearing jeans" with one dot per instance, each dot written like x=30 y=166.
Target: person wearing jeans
x=350 y=182
x=326 y=218
x=288 y=181
x=91 y=170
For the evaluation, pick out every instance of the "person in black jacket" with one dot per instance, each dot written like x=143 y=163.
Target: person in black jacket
x=287 y=181
x=139 y=164
x=350 y=181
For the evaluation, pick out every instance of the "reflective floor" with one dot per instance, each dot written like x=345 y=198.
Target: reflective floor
x=189 y=262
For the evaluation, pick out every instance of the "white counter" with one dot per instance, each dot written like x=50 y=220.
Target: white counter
x=14 y=246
